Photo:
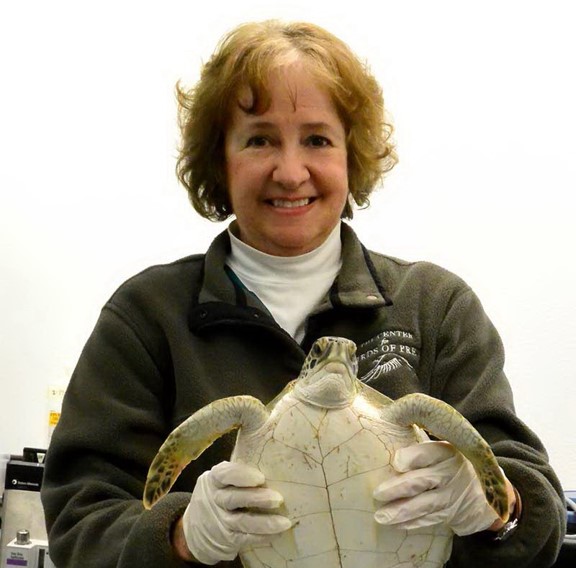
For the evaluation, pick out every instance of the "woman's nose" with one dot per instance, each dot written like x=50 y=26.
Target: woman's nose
x=290 y=168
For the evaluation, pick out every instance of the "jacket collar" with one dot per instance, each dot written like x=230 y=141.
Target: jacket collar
x=223 y=296
x=358 y=285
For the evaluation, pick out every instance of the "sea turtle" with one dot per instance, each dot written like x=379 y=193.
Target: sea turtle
x=325 y=442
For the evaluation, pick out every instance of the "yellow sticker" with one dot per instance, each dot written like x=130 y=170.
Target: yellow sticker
x=53 y=418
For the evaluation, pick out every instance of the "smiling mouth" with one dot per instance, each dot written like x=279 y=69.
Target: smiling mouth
x=291 y=203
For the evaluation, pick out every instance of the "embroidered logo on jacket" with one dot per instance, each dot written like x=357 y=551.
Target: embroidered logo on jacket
x=386 y=352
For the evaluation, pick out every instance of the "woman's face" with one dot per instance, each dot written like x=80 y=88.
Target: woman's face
x=287 y=167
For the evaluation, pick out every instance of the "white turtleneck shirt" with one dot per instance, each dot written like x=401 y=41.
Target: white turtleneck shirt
x=289 y=286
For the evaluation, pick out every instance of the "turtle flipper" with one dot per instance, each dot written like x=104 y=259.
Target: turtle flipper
x=196 y=434
x=446 y=423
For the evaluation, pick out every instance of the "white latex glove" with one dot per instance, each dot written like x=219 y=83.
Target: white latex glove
x=216 y=523
x=435 y=484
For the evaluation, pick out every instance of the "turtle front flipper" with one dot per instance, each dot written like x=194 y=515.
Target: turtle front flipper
x=446 y=423
x=196 y=434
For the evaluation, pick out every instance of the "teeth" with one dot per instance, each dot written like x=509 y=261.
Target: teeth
x=290 y=204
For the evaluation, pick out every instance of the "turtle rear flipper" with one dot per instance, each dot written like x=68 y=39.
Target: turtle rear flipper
x=445 y=423
x=196 y=434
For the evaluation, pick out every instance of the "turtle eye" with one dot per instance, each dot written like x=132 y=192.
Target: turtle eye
x=316 y=350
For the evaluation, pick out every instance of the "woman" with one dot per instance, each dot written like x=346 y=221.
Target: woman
x=285 y=130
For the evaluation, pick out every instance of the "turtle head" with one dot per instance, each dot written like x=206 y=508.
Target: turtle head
x=328 y=376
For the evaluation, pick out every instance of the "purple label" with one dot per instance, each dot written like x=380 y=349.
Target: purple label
x=16 y=562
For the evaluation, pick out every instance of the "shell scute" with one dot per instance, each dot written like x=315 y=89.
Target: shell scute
x=289 y=465
x=359 y=454
x=304 y=438
x=337 y=428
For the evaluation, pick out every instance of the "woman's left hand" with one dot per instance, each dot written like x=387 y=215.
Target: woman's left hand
x=435 y=484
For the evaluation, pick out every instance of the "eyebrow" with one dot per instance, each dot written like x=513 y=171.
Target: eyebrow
x=307 y=125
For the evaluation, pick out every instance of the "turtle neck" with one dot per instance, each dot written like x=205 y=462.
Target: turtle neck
x=289 y=286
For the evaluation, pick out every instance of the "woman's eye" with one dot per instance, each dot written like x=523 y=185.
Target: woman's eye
x=318 y=141
x=257 y=141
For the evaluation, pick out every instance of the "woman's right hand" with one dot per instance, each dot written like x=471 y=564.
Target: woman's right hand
x=220 y=519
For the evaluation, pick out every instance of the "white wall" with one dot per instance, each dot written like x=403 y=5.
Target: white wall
x=482 y=95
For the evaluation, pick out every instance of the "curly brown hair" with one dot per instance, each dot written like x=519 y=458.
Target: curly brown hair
x=245 y=57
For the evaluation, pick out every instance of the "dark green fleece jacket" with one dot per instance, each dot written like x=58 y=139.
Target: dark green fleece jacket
x=176 y=337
